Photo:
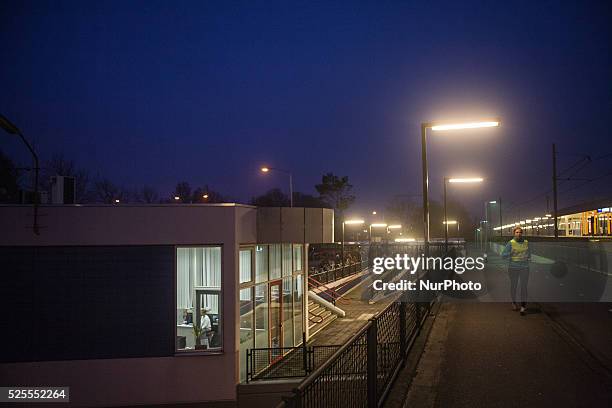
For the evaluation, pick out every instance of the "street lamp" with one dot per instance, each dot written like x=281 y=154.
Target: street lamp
x=268 y=169
x=454 y=180
x=441 y=127
x=488 y=227
x=348 y=222
x=9 y=127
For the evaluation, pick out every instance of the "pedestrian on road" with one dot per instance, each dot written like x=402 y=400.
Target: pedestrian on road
x=517 y=251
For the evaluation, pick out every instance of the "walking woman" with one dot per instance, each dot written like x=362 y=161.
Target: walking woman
x=517 y=251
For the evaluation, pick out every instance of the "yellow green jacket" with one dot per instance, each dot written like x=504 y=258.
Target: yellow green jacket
x=518 y=253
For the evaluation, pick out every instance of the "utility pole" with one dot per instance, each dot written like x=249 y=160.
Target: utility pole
x=554 y=180
x=501 y=228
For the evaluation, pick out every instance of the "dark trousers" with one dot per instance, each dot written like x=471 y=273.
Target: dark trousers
x=517 y=274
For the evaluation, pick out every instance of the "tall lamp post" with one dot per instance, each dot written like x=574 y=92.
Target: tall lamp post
x=376 y=225
x=347 y=222
x=488 y=226
x=393 y=227
x=438 y=126
x=454 y=180
x=268 y=169
x=9 y=127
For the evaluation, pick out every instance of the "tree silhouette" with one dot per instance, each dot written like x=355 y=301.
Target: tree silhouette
x=107 y=192
x=148 y=195
x=335 y=192
x=273 y=198
x=183 y=191
x=9 y=180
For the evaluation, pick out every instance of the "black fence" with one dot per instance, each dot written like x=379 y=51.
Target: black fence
x=360 y=373
x=287 y=362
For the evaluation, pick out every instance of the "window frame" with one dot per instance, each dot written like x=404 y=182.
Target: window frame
x=204 y=352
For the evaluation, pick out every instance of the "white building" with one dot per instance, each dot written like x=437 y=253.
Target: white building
x=104 y=299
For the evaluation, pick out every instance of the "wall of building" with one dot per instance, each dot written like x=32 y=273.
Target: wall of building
x=303 y=225
x=104 y=277
x=122 y=224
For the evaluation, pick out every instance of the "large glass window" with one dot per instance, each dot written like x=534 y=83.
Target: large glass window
x=246 y=274
x=261 y=316
x=275 y=261
x=287 y=262
x=247 y=338
x=198 y=298
x=261 y=264
x=298 y=292
x=287 y=312
x=271 y=301
x=297 y=257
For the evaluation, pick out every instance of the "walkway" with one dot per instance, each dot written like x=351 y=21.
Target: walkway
x=486 y=355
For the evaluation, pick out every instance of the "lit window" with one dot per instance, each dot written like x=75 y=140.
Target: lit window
x=198 y=299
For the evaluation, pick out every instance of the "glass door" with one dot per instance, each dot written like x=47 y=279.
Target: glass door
x=276 y=310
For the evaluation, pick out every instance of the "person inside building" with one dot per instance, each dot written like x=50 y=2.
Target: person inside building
x=518 y=254
x=206 y=325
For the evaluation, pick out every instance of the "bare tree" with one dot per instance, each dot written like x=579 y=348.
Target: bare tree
x=106 y=192
x=183 y=191
x=148 y=195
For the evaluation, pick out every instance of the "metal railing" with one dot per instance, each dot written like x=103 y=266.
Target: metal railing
x=330 y=275
x=360 y=372
x=285 y=362
x=326 y=292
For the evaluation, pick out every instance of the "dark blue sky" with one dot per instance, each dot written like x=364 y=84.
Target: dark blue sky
x=157 y=92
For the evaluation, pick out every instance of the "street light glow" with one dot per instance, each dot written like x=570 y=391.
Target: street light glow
x=265 y=169
x=354 y=222
x=176 y=198
x=468 y=125
x=373 y=212
x=378 y=225
x=117 y=201
x=205 y=196
x=449 y=222
x=466 y=180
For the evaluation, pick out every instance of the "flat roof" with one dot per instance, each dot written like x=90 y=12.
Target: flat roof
x=147 y=205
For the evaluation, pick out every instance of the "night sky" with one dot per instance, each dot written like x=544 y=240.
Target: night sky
x=159 y=92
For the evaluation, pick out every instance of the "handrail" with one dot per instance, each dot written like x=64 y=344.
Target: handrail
x=357 y=266
x=329 y=291
x=326 y=304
